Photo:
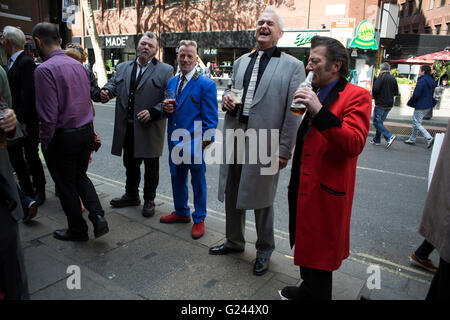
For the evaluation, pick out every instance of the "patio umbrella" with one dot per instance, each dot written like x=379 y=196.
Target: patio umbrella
x=425 y=59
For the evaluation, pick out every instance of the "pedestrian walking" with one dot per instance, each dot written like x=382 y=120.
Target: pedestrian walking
x=24 y=154
x=435 y=224
x=66 y=129
x=384 y=90
x=422 y=100
x=195 y=110
x=330 y=138
x=269 y=79
x=139 y=127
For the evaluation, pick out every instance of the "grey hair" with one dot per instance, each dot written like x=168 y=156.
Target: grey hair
x=188 y=43
x=15 y=35
x=385 y=66
x=271 y=9
x=150 y=35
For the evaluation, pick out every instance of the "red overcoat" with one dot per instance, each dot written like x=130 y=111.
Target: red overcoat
x=328 y=147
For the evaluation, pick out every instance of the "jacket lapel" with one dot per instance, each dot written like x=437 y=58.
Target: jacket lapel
x=16 y=62
x=147 y=74
x=265 y=80
x=127 y=76
x=239 y=79
x=334 y=93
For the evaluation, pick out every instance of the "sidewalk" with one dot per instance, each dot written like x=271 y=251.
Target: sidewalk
x=141 y=258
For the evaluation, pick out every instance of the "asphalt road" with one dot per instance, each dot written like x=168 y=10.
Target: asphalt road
x=389 y=196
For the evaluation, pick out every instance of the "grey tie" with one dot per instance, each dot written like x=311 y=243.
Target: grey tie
x=252 y=85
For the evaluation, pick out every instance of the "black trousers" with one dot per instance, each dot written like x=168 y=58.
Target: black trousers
x=316 y=285
x=424 y=250
x=13 y=280
x=67 y=158
x=133 y=169
x=24 y=157
x=440 y=285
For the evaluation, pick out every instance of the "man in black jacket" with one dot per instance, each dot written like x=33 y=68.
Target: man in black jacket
x=24 y=155
x=384 y=90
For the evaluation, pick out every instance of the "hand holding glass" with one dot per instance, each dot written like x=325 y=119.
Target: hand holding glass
x=236 y=96
x=170 y=97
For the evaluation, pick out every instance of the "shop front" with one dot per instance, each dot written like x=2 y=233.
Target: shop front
x=116 y=49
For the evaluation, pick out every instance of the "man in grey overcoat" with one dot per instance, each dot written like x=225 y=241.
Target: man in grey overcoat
x=139 y=126
x=435 y=225
x=269 y=79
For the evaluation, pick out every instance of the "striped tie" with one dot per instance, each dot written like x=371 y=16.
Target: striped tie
x=180 y=87
x=252 y=85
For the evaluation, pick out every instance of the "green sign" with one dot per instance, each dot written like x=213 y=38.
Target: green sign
x=304 y=38
x=365 y=36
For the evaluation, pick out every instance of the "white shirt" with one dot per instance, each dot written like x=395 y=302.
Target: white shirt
x=188 y=78
x=13 y=58
x=139 y=67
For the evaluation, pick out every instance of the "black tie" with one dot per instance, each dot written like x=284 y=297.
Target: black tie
x=183 y=78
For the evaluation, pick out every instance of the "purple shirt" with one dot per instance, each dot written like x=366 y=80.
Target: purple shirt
x=62 y=95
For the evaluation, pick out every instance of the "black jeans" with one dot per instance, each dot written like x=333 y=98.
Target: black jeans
x=24 y=157
x=316 y=285
x=133 y=169
x=440 y=285
x=67 y=159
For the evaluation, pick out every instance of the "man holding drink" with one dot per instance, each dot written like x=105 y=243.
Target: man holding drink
x=139 y=127
x=269 y=79
x=330 y=138
x=191 y=105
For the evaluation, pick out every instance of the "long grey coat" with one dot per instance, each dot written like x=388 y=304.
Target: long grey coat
x=149 y=137
x=269 y=110
x=435 y=225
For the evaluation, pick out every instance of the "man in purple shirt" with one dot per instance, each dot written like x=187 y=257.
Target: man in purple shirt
x=67 y=137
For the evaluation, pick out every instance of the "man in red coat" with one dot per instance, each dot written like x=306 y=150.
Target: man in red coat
x=330 y=138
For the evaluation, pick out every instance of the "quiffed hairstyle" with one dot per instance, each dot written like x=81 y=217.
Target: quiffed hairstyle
x=188 y=43
x=15 y=35
x=271 y=9
x=335 y=52
x=48 y=33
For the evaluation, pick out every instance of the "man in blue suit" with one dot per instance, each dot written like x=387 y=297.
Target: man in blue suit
x=191 y=124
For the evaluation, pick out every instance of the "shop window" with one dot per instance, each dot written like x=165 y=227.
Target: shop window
x=145 y=3
x=128 y=3
x=431 y=5
x=111 y=4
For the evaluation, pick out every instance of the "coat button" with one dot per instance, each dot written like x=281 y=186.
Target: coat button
x=174 y=124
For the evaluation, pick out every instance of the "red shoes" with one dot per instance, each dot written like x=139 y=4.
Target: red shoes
x=173 y=218
x=198 y=229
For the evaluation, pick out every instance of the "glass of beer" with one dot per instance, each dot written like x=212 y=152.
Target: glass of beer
x=236 y=95
x=170 y=96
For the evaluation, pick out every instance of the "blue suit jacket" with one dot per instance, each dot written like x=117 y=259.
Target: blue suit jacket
x=196 y=114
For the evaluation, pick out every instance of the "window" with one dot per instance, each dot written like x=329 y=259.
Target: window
x=448 y=28
x=111 y=4
x=427 y=30
x=419 y=7
x=431 y=5
x=437 y=29
x=402 y=10
x=128 y=3
x=148 y=3
x=95 y=5
x=172 y=2
x=442 y=3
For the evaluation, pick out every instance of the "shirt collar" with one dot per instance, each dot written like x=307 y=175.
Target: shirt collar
x=189 y=75
x=268 y=52
x=322 y=93
x=13 y=58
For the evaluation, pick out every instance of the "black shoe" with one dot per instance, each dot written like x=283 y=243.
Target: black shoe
x=67 y=235
x=221 y=250
x=149 y=209
x=261 y=266
x=40 y=198
x=125 y=201
x=290 y=293
x=30 y=212
x=100 y=226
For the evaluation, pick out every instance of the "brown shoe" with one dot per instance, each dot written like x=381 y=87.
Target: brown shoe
x=426 y=264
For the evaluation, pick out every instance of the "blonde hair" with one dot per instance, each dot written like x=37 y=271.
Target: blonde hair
x=75 y=51
x=188 y=43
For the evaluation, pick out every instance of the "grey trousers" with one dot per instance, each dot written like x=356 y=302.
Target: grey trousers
x=235 y=219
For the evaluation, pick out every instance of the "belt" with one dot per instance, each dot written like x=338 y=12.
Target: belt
x=70 y=130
